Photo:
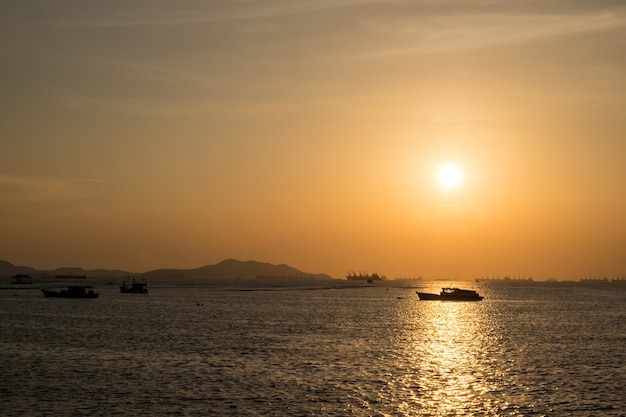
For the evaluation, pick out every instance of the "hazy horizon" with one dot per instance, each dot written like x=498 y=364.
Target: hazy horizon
x=144 y=136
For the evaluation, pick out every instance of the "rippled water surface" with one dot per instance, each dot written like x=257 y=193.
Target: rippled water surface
x=323 y=348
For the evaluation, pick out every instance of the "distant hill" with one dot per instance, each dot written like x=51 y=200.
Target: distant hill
x=232 y=268
x=229 y=268
x=7 y=269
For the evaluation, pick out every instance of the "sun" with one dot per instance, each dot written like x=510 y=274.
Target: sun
x=450 y=175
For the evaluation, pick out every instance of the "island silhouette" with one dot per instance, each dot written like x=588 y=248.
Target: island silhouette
x=229 y=268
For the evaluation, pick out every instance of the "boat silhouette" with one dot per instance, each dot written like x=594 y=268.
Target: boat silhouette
x=451 y=294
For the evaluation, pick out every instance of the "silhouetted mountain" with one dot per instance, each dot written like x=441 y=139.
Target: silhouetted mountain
x=229 y=268
x=7 y=269
x=232 y=268
x=89 y=272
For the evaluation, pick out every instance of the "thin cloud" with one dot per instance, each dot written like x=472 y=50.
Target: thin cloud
x=30 y=189
x=162 y=107
x=435 y=34
x=176 y=76
x=240 y=11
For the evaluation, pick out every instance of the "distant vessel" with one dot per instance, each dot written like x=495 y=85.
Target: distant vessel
x=287 y=277
x=70 y=276
x=72 y=291
x=134 y=287
x=483 y=279
x=21 y=279
x=364 y=277
x=451 y=294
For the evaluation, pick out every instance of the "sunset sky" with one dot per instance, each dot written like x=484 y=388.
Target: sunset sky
x=141 y=135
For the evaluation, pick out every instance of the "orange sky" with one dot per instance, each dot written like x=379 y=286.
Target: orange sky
x=310 y=133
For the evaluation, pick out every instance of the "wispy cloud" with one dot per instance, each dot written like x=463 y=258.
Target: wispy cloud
x=179 y=16
x=172 y=75
x=161 y=107
x=31 y=189
x=418 y=35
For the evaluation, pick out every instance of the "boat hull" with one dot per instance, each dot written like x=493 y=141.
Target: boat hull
x=445 y=297
x=72 y=292
x=134 y=287
x=428 y=296
x=126 y=290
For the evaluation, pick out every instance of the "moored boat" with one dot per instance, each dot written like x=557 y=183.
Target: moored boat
x=451 y=294
x=352 y=276
x=134 y=287
x=72 y=291
x=21 y=279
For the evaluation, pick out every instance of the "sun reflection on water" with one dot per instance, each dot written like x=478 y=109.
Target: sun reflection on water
x=446 y=368
x=450 y=352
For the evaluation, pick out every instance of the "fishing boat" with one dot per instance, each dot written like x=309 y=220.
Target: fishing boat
x=134 y=287
x=451 y=294
x=72 y=291
x=21 y=279
x=352 y=276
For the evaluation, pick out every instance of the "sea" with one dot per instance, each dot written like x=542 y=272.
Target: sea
x=315 y=348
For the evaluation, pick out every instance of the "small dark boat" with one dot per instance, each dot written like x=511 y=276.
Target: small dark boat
x=70 y=276
x=134 y=287
x=72 y=291
x=451 y=294
x=21 y=279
